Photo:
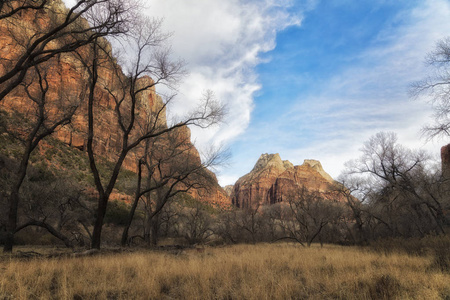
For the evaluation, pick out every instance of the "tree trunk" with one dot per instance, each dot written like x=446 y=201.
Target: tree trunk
x=50 y=229
x=14 y=198
x=97 y=232
x=155 y=230
x=133 y=207
x=12 y=222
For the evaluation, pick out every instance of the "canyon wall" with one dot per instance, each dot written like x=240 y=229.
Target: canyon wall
x=68 y=86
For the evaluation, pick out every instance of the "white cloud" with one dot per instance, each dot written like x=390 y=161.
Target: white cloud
x=221 y=42
x=70 y=3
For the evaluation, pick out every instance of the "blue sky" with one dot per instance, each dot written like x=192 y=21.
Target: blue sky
x=309 y=79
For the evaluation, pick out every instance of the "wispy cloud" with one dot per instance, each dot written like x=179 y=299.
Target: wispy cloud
x=221 y=41
x=371 y=94
x=337 y=115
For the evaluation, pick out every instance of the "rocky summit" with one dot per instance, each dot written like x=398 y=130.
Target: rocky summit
x=271 y=178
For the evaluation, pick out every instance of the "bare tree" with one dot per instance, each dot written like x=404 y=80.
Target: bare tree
x=151 y=59
x=171 y=167
x=355 y=219
x=249 y=225
x=196 y=223
x=41 y=33
x=53 y=204
x=57 y=33
x=10 y=8
x=226 y=228
x=251 y=221
x=402 y=195
x=437 y=86
x=56 y=30
x=43 y=124
x=252 y=224
x=308 y=213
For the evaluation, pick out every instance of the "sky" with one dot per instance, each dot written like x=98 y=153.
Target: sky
x=308 y=79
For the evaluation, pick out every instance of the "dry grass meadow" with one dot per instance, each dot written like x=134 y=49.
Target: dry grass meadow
x=265 y=271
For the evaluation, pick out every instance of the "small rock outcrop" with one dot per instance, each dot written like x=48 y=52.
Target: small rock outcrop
x=271 y=178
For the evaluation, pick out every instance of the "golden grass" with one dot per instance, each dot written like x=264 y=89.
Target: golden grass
x=278 y=271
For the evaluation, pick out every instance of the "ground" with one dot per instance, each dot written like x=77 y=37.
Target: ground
x=264 y=271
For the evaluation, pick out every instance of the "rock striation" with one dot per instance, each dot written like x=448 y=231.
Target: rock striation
x=271 y=179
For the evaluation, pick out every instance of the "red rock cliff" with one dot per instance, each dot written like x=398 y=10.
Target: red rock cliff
x=272 y=178
x=68 y=81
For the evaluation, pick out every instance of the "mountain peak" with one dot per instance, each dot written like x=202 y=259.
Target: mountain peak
x=316 y=165
x=271 y=161
x=272 y=177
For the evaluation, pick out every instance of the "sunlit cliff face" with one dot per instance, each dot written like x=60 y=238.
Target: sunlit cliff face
x=272 y=178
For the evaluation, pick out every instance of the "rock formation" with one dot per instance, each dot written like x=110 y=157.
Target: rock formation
x=445 y=161
x=272 y=178
x=68 y=81
x=228 y=189
x=445 y=167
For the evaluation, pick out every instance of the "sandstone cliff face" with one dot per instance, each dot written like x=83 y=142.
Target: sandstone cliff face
x=272 y=178
x=68 y=86
x=228 y=189
x=445 y=160
x=445 y=167
x=253 y=188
